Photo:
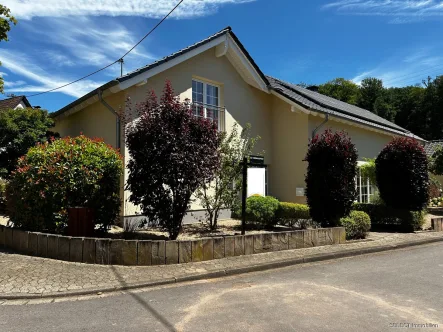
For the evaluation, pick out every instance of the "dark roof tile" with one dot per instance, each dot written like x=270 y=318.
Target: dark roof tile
x=318 y=102
x=13 y=102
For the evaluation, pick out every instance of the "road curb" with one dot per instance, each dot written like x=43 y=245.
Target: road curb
x=225 y=272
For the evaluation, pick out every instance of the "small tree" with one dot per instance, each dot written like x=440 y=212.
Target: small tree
x=172 y=154
x=21 y=129
x=402 y=174
x=330 y=178
x=223 y=192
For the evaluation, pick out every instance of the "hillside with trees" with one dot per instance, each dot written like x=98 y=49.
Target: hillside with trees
x=417 y=108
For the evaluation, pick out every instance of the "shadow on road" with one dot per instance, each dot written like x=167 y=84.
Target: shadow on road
x=144 y=304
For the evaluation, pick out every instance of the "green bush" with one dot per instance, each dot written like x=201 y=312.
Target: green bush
x=69 y=172
x=2 y=195
x=402 y=174
x=330 y=177
x=292 y=213
x=357 y=225
x=387 y=218
x=262 y=210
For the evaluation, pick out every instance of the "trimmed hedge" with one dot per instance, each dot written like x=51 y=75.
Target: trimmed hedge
x=357 y=225
x=402 y=174
x=387 y=218
x=292 y=213
x=330 y=177
x=262 y=210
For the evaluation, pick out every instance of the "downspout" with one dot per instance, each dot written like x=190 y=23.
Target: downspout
x=117 y=117
x=320 y=125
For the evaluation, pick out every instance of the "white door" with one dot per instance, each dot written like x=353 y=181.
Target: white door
x=256 y=181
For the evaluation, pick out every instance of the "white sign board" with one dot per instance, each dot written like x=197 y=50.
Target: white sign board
x=256 y=181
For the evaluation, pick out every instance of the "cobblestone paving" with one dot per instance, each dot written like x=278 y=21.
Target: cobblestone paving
x=25 y=275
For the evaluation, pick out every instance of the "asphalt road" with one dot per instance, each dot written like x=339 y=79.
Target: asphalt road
x=365 y=293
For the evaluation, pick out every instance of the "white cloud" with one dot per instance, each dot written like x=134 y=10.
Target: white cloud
x=84 y=41
x=12 y=84
x=403 y=11
x=3 y=74
x=58 y=59
x=27 y=9
x=406 y=70
x=20 y=64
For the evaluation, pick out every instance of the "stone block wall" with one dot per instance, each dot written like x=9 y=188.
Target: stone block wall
x=437 y=224
x=143 y=252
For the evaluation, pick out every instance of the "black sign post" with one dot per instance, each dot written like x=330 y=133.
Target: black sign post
x=253 y=161
x=243 y=196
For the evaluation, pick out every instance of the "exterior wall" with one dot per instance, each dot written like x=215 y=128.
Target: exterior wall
x=95 y=121
x=289 y=146
x=368 y=143
x=244 y=103
x=21 y=105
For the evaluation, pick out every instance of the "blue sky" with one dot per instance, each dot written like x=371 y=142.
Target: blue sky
x=57 y=41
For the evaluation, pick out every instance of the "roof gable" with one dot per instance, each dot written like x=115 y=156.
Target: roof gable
x=226 y=44
x=13 y=102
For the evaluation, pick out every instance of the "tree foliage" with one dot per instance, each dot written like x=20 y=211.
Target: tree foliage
x=21 y=129
x=64 y=173
x=6 y=19
x=415 y=108
x=330 y=178
x=341 y=89
x=370 y=89
x=172 y=154
x=402 y=174
x=224 y=190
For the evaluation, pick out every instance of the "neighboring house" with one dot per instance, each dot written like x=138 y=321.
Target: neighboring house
x=220 y=74
x=431 y=148
x=14 y=103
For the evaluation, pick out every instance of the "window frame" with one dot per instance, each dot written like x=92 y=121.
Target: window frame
x=359 y=184
x=205 y=103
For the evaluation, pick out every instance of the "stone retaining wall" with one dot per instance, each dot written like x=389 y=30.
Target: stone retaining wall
x=141 y=252
x=437 y=224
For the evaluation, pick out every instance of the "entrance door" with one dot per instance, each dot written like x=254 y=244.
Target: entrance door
x=256 y=181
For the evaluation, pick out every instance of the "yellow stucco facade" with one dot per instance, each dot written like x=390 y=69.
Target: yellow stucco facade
x=284 y=131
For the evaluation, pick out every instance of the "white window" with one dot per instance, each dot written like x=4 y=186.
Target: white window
x=365 y=189
x=205 y=99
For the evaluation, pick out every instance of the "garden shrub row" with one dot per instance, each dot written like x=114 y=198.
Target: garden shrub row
x=291 y=213
x=268 y=212
x=388 y=218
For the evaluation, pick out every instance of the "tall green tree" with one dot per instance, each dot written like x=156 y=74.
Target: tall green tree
x=341 y=89
x=20 y=130
x=6 y=20
x=371 y=88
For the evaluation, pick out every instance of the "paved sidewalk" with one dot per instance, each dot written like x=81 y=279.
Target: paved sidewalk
x=32 y=277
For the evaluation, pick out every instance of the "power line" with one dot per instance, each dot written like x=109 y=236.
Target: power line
x=118 y=60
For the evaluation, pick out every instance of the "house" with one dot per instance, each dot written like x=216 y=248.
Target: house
x=15 y=102
x=431 y=148
x=220 y=74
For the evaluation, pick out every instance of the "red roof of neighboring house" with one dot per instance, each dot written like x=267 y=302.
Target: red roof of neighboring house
x=13 y=102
